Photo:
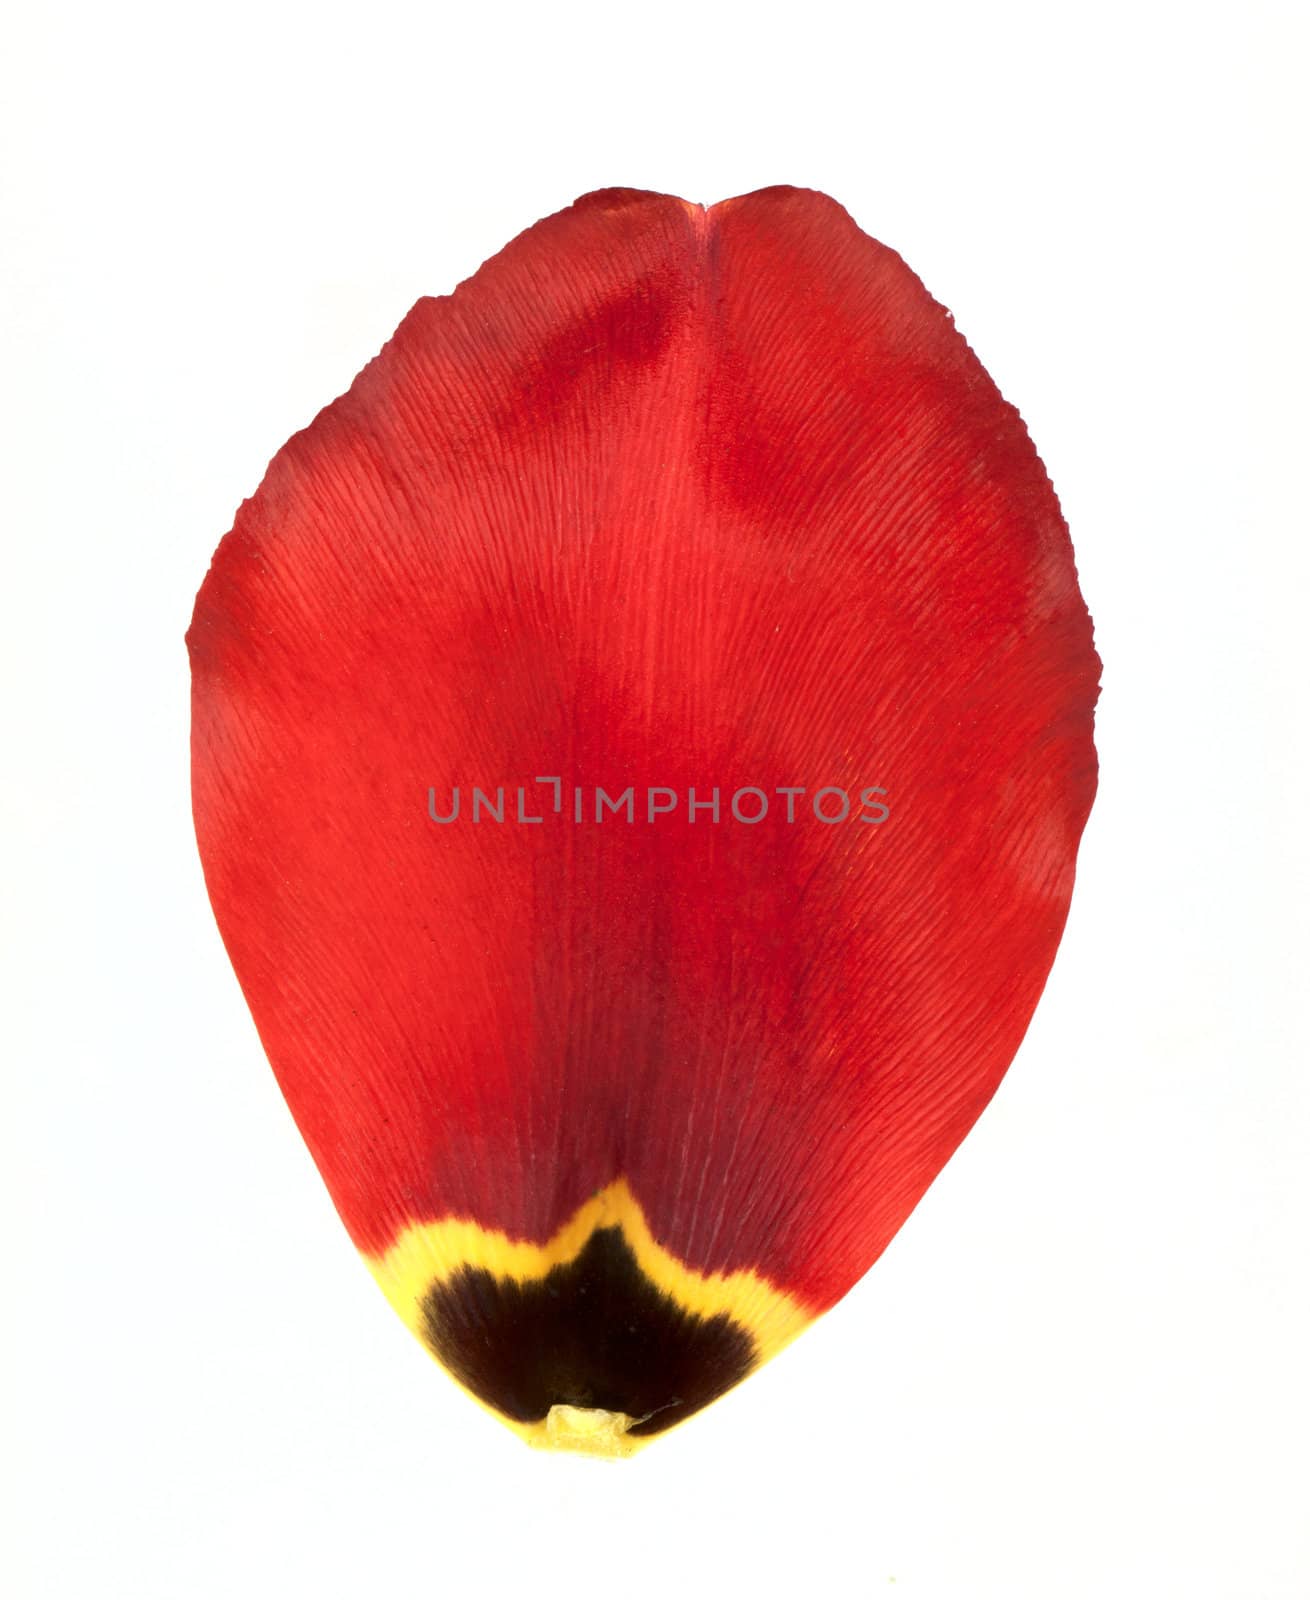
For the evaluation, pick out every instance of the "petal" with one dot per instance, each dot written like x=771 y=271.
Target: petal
x=689 y=503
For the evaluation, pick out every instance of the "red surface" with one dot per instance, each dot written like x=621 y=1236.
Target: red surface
x=659 y=497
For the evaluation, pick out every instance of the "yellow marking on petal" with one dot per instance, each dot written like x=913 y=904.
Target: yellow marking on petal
x=429 y=1253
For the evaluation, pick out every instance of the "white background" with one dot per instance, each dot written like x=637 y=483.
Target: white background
x=1080 y=1369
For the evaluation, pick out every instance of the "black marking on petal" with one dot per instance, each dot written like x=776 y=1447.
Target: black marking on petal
x=593 y=1332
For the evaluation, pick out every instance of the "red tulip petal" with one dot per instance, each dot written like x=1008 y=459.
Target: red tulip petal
x=661 y=499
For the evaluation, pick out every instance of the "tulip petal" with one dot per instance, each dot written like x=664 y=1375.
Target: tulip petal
x=692 y=510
